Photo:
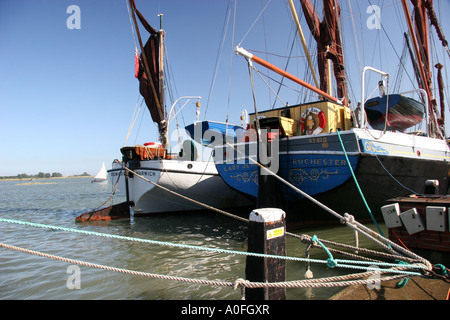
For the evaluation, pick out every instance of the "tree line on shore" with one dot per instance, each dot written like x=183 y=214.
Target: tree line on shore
x=42 y=175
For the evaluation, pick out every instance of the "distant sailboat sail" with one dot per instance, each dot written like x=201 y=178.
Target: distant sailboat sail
x=101 y=176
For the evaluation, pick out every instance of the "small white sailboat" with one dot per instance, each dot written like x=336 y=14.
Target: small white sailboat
x=101 y=176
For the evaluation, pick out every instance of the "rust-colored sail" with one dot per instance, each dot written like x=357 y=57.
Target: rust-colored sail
x=419 y=35
x=329 y=46
x=150 y=74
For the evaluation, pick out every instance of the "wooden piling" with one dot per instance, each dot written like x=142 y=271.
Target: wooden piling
x=267 y=235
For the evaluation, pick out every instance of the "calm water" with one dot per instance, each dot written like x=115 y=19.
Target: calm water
x=57 y=202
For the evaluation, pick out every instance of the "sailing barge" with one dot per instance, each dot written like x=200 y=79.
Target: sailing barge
x=328 y=150
x=159 y=181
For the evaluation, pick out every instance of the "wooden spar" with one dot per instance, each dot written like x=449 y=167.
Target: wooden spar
x=270 y=66
x=416 y=49
x=433 y=126
x=163 y=133
x=302 y=38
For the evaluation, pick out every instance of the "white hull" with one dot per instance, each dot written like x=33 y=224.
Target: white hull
x=197 y=180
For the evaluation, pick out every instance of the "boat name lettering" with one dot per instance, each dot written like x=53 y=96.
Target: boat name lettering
x=233 y=167
x=146 y=173
x=320 y=162
x=322 y=140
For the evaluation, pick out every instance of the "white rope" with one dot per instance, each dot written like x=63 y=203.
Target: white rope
x=120 y=270
x=340 y=281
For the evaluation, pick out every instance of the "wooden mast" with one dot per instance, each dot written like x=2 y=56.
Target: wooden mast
x=433 y=127
x=158 y=98
x=302 y=38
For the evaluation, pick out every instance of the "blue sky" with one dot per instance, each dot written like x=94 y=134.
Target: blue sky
x=67 y=96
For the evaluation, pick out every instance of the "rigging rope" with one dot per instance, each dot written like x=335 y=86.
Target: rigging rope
x=357 y=184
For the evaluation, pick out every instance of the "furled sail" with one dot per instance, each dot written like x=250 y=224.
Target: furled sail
x=419 y=35
x=329 y=46
x=151 y=52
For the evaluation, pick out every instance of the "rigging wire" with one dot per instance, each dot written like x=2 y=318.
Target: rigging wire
x=445 y=57
x=132 y=27
x=265 y=46
x=256 y=20
x=219 y=54
x=231 y=60
x=356 y=38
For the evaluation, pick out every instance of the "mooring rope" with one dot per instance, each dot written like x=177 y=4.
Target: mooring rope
x=302 y=237
x=357 y=184
x=340 y=281
x=371 y=267
x=348 y=219
x=351 y=264
x=120 y=270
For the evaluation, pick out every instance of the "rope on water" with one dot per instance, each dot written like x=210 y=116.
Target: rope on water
x=120 y=270
x=304 y=238
x=346 y=219
x=154 y=242
x=339 y=281
x=351 y=264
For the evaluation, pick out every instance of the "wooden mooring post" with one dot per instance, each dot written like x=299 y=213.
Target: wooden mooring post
x=267 y=235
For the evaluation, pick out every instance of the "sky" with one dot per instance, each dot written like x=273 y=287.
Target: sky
x=67 y=95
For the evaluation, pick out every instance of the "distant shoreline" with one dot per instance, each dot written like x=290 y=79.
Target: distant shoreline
x=50 y=178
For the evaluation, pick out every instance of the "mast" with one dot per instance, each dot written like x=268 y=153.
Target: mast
x=329 y=46
x=151 y=72
x=421 y=51
x=434 y=21
x=302 y=38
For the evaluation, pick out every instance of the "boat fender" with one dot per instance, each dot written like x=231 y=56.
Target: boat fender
x=312 y=121
x=136 y=64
